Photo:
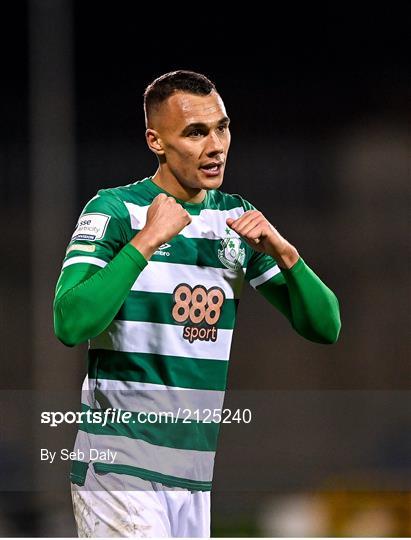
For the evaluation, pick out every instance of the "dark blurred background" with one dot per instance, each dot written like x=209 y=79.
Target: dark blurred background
x=319 y=105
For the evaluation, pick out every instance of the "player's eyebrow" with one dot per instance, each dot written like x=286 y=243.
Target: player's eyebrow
x=202 y=125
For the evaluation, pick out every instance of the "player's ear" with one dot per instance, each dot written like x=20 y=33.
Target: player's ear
x=154 y=141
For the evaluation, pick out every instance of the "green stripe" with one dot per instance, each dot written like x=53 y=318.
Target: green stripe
x=219 y=200
x=152 y=476
x=260 y=263
x=78 y=472
x=182 y=250
x=142 y=193
x=136 y=193
x=157 y=308
x=197 y=374
x=139 y=193
x=195 y=251
x=192 y=435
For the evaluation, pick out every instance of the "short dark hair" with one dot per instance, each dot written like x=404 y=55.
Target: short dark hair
x=175 y=81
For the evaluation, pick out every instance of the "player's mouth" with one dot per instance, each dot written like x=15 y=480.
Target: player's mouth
x=212 y=169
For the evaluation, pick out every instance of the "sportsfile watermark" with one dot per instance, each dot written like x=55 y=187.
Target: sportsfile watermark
x=108 y=416
x=310 y=436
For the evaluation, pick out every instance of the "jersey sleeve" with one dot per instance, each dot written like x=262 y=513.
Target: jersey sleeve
x=261 y=267
x=101 y=231
x=98 y=271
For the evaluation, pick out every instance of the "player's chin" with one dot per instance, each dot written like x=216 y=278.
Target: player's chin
x=210 y=181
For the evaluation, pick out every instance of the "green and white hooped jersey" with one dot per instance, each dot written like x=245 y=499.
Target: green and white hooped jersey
x=168 y=347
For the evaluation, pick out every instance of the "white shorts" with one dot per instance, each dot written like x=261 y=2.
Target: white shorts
x=120 y=505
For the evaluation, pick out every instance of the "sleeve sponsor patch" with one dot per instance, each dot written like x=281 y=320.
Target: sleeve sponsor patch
x=81 y=247
x=91 y=227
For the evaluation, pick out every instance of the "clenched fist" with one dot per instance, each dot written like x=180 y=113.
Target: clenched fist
x=258 y=232
x=165 y=219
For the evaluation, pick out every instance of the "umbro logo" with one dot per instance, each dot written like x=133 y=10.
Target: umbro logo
x=162 y=250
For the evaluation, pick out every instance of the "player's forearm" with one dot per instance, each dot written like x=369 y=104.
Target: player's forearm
x=87 y=308
x=311 y=307
x=146 y=242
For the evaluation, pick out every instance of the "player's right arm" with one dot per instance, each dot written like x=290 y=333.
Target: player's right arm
x=277 y=271
x=98 y=274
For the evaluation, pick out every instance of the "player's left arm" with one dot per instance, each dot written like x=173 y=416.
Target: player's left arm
x=310 y=306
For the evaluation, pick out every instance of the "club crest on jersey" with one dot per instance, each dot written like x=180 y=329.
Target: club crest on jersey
x=231 y=254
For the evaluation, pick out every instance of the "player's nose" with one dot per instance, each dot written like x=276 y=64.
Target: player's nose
x=214 y=144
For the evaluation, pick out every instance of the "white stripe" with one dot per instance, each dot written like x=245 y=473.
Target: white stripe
x=147 y=397
x=189 y=464
x=84 y=259
x=86 y=384
x=262 y=278
x=87 y=392
x=164 y=278
x=138 y=215
x=209 y=223
x=158 y=338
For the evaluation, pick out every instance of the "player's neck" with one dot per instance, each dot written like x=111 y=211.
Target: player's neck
x=169 y=183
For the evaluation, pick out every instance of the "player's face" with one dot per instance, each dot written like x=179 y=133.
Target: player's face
x=195 y=139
